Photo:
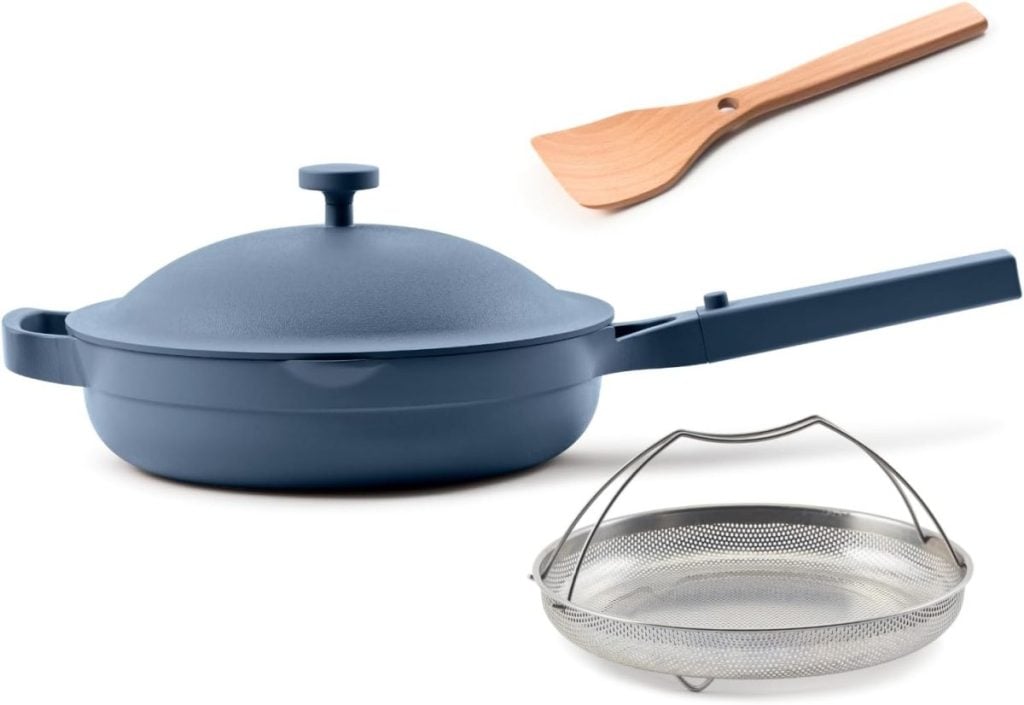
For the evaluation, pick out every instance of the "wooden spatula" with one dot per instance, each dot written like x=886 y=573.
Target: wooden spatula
x=633 y=156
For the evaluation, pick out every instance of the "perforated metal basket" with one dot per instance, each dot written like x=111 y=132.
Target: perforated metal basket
x=743 y=591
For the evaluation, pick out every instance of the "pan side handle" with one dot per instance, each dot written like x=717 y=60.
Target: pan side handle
x=37 y=345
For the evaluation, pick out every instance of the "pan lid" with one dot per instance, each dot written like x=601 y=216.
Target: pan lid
x=338 y=290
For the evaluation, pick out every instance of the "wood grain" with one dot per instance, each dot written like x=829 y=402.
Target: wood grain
x=633 y=156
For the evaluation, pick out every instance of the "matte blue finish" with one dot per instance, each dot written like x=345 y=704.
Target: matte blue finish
x=344 y=355
x=282 y=386
x=304 y=424
x=817 y=312
x=353 y=292
x=313 y=291
x=339 y=182
x=338 y=291
x=668 y=341
x=331 y=448
x=716 y=299
x=313 y=423
x=37 y=345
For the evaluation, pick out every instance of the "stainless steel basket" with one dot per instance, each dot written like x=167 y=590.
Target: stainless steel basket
x=743 y=591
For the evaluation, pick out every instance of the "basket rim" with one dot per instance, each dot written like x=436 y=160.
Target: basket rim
x=876 y=520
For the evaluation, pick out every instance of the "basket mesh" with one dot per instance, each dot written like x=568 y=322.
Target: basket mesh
x=749 y=600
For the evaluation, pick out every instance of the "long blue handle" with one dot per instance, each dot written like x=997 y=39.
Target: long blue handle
x=817 y=312
x=720 y=329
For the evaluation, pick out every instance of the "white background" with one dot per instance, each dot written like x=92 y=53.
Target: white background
x=131 y=134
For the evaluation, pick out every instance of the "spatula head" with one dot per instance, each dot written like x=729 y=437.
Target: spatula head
x=630 y=157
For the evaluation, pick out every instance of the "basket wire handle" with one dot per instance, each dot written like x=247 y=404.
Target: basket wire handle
x=638 y=463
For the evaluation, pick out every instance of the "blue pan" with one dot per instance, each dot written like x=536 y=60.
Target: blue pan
x=343 y=355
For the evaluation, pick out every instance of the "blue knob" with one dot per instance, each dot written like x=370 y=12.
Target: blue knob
x=338 y=182
x=715 y=300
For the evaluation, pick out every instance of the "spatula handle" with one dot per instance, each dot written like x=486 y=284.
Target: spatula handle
x=868 y=57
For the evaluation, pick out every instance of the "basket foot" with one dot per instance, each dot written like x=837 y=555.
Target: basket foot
x=693 y=686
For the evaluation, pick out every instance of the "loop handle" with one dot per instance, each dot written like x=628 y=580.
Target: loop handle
x=638 y=463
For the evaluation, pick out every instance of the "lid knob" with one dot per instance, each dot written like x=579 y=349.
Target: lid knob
x=339 y=182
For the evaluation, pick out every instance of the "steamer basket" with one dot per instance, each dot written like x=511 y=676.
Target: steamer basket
x=751 y=591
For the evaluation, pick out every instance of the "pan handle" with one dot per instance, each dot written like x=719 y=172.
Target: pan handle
x=631 y=469
x=721 y=329
x=37 y=345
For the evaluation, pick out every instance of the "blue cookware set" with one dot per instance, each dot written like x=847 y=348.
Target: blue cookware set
x=349 y=355
x=345 y=354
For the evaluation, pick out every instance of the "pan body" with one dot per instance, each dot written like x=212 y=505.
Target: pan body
x=339 y=447
x=318 y=424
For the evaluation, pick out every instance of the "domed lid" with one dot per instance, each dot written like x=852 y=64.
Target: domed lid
x=338 y=290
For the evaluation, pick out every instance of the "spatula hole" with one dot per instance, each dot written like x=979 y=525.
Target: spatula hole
x=727 y=105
